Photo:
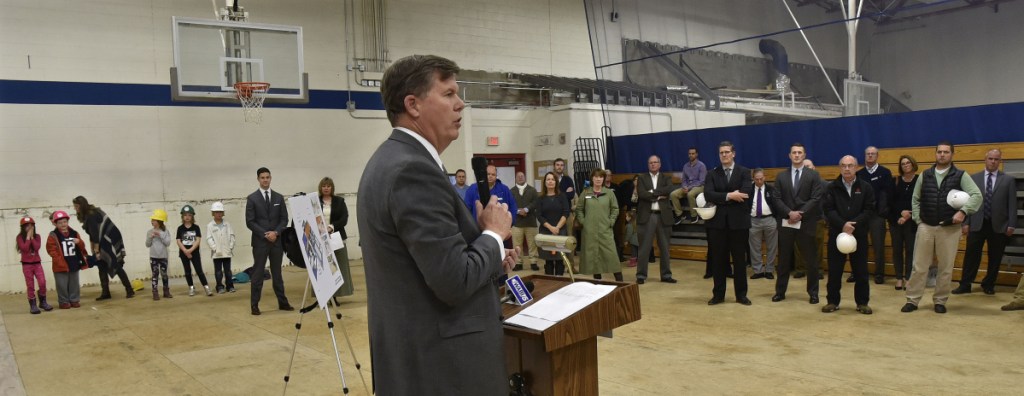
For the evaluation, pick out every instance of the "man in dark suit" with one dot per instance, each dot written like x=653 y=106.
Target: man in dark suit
x=431 y=300
x=849 y=205
x=266 y=216
x=800 y=191
x=654 y=218
x=994 y=224
x=881 y=181
x=729 y=187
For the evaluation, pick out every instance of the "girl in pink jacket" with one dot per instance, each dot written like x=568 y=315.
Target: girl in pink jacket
x=28 y=242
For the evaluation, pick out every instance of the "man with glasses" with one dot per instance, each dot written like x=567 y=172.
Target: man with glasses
x=729 y=187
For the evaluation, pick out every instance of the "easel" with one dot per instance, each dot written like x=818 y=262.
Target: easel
x=334 y=341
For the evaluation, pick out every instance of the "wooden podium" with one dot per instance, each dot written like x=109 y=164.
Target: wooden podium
x=562 y=360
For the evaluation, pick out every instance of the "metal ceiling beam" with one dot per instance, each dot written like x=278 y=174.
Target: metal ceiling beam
x=915 y=17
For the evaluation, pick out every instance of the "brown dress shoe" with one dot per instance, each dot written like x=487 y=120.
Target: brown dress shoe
x=1013 y=306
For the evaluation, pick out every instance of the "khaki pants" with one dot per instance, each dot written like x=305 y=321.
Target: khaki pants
x=691 y=196
x=1018 y=296
x=937 y=243
x=531 y=239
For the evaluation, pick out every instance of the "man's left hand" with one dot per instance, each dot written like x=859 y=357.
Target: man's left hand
x=1009 y=231
x=511 y=258
x=959 y=217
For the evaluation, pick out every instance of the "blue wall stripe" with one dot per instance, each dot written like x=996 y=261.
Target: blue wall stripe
x=826 y=141
x=109 y=94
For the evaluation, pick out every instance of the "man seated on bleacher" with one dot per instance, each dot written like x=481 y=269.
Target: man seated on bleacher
x=693 y=176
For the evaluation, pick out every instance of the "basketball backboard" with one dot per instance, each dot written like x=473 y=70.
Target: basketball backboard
x=210 y=56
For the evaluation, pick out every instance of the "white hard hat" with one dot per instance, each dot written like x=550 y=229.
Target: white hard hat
x=846 y=243
x=706 y=213
x=217 y=207
x=957 y=199
x=701 y=201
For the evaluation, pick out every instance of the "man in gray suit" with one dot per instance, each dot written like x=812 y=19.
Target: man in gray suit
x=654 y=218
x=994 y=224
x=266 y=216
x=432 y=303
x=800 y=191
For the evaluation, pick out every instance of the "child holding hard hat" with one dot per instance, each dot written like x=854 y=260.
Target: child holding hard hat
x=157 y=240
x=28 y=246
x=221 y=238
x=68 y=252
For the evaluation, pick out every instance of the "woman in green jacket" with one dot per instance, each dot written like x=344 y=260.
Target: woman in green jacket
x=597 y=210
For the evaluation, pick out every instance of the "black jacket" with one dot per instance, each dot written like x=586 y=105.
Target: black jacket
x=841 y=207
x=339 y=215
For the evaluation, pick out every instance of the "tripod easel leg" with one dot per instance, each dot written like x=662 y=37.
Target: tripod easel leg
x=344 y=332
x=298 y=327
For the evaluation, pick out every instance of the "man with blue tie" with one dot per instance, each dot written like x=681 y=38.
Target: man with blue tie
x=993 y=224
x=763 y=228
x=800 y=191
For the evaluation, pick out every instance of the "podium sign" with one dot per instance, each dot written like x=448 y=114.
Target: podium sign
x=519 y=290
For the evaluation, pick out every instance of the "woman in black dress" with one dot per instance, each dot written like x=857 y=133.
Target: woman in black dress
x=552 y=213
x=902 y=227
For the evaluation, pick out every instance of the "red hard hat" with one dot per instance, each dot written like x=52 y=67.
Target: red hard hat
x=60 y=214
x=27 y=220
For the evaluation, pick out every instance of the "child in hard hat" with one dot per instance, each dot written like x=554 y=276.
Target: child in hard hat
x=189 y=238
x=68 y=252
x=157 y=240
x=221 y=238
x=28 y=243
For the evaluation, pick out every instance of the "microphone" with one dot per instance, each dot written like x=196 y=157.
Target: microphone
x=508 y=292
x=480 y=172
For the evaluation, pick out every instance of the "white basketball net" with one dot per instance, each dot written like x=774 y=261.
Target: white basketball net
x=252 y=95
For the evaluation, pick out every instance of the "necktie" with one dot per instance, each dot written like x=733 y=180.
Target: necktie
x=759 y=201
x=266 y=197
x=728 y=174
x=989 y=182
x=796 y=181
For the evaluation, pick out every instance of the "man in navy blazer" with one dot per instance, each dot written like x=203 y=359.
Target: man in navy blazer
x=266 y=216
x=994 y=224
x=800 y=191
x=431 y=300
x=729 y=187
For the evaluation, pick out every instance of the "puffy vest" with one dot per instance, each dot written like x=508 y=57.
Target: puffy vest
x=934 y=208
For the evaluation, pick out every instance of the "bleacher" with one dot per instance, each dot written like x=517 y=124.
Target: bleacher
x=689 y=241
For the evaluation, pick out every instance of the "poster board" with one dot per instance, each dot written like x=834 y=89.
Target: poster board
x=314 y=241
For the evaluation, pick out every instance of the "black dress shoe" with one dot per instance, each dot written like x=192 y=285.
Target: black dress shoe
x=669 y=280
x=879 y=279
x=814 y=300
x=639 y=281
x=744 y=301
x=757 y=276
x=255 y=310
x=769 y=276
x=989 y=290
x=285 y=308
x=715 y=301
x=961 y=290
x=821 y=276
x=707 y=276
x=518 y=267
x=778 y=297
x=908 y=307
x=536 y=268
x=850 y=279
x=940 y=308
x=798 y=275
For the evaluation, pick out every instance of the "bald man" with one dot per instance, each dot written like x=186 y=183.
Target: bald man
x=848 y=204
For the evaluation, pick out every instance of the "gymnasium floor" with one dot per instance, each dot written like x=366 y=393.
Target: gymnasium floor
x=213 y=346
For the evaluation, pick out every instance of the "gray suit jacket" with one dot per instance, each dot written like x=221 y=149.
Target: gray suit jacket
x=432 y=305
x=807 y=200
x=645 y=198
x=260 y=218
x=1004 y=200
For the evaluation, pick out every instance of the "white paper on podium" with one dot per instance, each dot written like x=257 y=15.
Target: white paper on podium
x=785 y=223
x=559 y=305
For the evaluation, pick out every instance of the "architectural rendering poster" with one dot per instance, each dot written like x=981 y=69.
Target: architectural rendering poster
x=311 y=229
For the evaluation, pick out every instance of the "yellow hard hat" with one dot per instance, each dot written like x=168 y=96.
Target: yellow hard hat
x=159 y=214
x=137 y=285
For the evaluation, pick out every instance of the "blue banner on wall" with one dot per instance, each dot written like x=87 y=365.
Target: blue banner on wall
x=826 y=141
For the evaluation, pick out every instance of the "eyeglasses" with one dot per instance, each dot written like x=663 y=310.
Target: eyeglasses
x=724 y=152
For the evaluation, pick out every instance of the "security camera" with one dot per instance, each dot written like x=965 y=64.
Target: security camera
x=557 y=243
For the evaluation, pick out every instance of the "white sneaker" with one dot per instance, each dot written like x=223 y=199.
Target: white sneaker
x=208 y=292
x=191 y=291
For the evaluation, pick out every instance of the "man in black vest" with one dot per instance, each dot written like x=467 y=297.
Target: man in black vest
x=938 y=231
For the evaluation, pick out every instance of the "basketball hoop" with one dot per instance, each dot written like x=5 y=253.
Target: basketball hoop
x=251 y=95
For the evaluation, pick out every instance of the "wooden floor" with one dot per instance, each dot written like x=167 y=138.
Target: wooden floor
x=681 y=346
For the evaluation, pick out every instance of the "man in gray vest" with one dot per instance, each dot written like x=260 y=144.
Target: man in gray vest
x=938 y=231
